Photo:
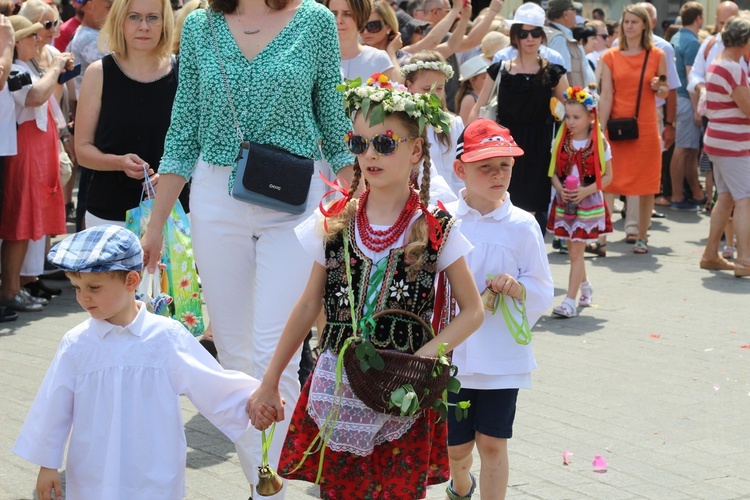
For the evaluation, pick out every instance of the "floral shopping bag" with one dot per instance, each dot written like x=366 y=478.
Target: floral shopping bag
x=177 y=255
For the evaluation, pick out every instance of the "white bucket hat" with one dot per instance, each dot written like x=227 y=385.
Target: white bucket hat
x=472 y=67
x=528 y=13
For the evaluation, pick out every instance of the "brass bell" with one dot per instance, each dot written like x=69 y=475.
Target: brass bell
x=269 y=483
x=489 y=299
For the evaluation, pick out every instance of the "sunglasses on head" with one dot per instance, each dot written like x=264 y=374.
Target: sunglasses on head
x=48 y=25
x=535 y=33
x=603 y=37
x=384 y=144
x=373 y=27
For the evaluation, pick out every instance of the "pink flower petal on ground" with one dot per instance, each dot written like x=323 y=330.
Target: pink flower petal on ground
x=745 y=346
x=655 y=336
x=717 y=387
x=566 y=457
x=599 y=463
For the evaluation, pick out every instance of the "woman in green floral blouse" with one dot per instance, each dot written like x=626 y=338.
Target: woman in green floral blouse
x=282 y=65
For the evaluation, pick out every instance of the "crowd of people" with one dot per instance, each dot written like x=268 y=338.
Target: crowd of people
x=462 y=107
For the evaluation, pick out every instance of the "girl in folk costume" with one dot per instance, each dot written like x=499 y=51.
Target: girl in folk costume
x=581 y=166
x=429 y=73
x=381 y=251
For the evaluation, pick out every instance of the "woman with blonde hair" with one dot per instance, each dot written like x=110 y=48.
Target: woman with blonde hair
x=125 y=107
x=637 y=69
x=358 y=60
x=381 y=32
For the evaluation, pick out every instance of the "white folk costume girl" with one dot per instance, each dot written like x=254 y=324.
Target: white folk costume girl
x=427 y=73
x=382 y=251
x=579 y=169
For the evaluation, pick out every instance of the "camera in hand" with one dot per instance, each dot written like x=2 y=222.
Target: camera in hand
x=18 y=80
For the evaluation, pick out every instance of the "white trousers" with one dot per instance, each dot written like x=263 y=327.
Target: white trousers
x=253 y=270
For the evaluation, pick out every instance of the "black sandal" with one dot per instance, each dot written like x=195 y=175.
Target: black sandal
x=598 y=249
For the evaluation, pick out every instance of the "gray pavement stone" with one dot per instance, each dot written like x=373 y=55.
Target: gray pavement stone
x=654 y=378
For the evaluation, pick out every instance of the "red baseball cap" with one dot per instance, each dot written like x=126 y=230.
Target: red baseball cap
x=484 y=139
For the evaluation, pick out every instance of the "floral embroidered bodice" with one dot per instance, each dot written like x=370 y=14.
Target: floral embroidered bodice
x=403 y=287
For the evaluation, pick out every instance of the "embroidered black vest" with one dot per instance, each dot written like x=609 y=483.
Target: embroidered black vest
x=402 y=288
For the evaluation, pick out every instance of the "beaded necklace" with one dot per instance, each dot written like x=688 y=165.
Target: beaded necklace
x=379 y=240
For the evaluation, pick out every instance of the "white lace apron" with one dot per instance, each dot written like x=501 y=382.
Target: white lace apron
x=358 y=429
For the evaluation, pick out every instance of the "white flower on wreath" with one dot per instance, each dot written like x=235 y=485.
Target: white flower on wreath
x=399 y=289
x=343 y=295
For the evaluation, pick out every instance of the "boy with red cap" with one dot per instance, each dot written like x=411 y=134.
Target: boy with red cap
x=509 y=262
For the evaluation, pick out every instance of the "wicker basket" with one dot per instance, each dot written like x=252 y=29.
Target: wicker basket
x=374 y=387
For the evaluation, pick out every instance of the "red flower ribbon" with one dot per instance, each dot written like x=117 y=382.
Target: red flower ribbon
x=435 y=230
x=337 y=206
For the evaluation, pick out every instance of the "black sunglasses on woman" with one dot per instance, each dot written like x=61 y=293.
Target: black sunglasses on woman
x=373 y=27
x=535 y=33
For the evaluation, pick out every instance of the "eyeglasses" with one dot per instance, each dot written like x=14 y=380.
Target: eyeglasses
x=137 y=19
x=535 y=33
x=373 y=27
x=384 y=144
x=48 y=25
x=603 y=37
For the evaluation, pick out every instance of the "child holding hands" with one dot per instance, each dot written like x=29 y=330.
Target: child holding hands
x=497 y=359
x=381 y=251
x=581 y=166
x=116 y=380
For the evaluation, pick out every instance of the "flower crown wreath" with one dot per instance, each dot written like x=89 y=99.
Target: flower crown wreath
x=378 y=99
x=407 y=69
x=381 y=97
x=581 y=95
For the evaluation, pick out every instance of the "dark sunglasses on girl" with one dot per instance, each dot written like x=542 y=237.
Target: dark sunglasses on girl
x=419 y=30
x=373 y=27
x=384 y=144
x=535 y=33
x=48 y=25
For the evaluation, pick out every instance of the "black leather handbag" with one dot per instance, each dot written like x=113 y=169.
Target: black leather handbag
x=626 y=129
x=266 y=175
x=273 y=177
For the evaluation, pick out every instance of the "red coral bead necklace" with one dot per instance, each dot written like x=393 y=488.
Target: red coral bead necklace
x=379 y=240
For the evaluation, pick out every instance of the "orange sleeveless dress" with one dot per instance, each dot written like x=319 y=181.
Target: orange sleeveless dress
x=636 y=164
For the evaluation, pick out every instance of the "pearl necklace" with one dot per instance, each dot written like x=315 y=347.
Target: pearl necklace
x=379 y=240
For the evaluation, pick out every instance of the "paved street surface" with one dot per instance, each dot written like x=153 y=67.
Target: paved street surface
x=655 y=378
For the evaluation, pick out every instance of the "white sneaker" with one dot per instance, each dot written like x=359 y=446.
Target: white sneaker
x=587 y=295
x=565 y=310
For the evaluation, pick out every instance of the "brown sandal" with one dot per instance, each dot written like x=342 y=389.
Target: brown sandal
x=598 y=249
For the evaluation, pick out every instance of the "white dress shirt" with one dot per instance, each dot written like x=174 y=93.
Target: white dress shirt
x=506 y=240
x=443 y=156
x=118 y=389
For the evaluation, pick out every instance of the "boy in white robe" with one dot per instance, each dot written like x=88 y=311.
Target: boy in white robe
x=115 y=381
x=497 y=360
